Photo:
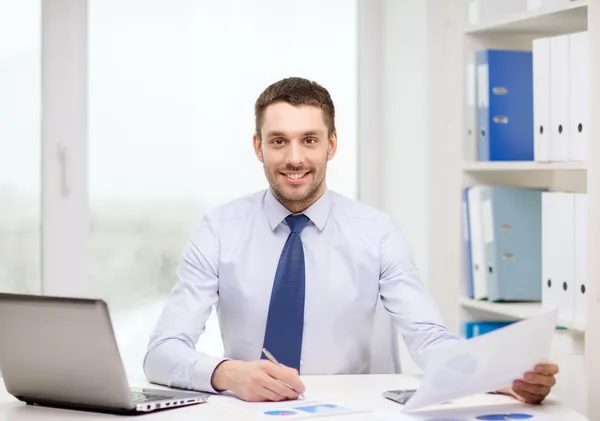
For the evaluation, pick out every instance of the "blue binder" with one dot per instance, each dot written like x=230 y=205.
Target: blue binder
x=513 y=243
x=472 y=329
x=468 y=261
x=505 y=105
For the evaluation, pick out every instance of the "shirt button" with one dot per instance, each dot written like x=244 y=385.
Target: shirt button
x=301 y=362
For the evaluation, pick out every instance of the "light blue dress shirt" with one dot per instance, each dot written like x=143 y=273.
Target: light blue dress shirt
x=353 y=254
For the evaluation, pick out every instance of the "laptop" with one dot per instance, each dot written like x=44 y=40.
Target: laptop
x=62 y=352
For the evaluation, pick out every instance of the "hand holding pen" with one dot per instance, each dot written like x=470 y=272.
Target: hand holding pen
x=258 y=381
x=274 y=361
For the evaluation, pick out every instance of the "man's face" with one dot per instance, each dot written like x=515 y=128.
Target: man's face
x=294 y=150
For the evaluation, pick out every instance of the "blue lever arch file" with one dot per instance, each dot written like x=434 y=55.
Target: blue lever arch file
x=505 y=105
x=513 y=243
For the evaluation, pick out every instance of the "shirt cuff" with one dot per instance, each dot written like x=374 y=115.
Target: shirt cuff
x=203 y=371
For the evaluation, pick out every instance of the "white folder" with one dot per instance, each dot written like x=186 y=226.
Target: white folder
x=550 y=287
x=559 y=98
x=578 y=96
x=473 y=12
x=565 y=268
x=480 y=290
x=581 y=293
x=541 y=99
x=558 y=254
x=471 y=109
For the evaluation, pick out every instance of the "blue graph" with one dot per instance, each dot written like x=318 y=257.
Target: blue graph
x=494 y=417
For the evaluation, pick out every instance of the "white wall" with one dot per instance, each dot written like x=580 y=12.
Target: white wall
x=393 y=101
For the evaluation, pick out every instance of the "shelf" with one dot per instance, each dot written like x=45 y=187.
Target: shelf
x=564 y=19
x=523 y=166
x=517 y=311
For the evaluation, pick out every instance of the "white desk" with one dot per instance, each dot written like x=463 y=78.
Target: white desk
x=353 y=391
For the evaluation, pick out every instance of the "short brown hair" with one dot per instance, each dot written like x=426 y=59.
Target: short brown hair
x=296 y=91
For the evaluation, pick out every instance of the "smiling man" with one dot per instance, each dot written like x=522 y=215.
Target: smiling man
x=297 y=270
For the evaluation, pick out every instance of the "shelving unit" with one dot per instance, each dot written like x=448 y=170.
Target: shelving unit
x=474 y=167
x=454 y=165
x=514 y=311
x=561 y=19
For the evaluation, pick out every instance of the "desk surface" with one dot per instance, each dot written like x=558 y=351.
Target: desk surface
x=360 y=392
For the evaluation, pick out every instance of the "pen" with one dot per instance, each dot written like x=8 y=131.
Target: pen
x=274 y=361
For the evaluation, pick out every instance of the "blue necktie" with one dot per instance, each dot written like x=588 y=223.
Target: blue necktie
x=283 y=335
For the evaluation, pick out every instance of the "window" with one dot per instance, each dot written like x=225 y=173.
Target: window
x=20 y=146
x=172 y=86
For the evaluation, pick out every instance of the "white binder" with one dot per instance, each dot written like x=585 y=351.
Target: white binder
x=477 y=243
x=565 y=268
x=558 y=254
x=541 y=99
x=473 y=12
x=471 y=109
x=581 y=293
x=578 y=95
x=559 y=98
x=550 y=286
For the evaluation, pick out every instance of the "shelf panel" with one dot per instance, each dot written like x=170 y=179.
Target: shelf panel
x=516 y=311
x=523 y=166
x=571 y=17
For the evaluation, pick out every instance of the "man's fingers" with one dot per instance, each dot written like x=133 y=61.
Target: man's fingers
x=541 y=379
x=269 y=395
x=285 y=374
x=280 y=388
x=547 y=369
x=531 y=392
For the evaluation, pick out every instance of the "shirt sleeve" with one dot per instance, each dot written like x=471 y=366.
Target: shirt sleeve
x=411 y=307
x=171 y=358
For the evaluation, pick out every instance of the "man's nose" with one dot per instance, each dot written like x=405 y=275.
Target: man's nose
x=295 y=155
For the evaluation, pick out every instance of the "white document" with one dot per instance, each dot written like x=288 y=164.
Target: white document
x=579 y=95
x=485 y=363
x=559 y=98
x=581 y=214
x=541 y=99
x=299 y=408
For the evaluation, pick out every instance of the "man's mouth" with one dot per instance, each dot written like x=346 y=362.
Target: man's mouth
x=295 y=177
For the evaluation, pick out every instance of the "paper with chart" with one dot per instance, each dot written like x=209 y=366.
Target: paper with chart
x=485 y=363
x=299 y=408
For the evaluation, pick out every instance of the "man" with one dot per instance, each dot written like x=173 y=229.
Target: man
x=297 y=270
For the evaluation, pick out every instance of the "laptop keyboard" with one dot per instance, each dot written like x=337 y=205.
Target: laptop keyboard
x=147 y=397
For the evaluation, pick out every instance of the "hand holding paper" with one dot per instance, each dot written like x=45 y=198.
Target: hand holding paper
x=484 y=363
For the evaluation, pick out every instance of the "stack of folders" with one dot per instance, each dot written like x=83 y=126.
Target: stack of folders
x=503 y=243
x=531 y=105
x=564 y=255
x=560 y=82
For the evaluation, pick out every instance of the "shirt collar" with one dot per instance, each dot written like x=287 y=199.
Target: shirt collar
x=318 y=212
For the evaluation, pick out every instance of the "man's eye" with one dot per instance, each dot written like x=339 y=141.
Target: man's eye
x=277 y=141
x=310 y=140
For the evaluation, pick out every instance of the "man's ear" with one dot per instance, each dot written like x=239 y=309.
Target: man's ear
x=257 y=144
x=332 y=146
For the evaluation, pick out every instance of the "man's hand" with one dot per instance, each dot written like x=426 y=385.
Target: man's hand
x=535 y=385
x=257 y=381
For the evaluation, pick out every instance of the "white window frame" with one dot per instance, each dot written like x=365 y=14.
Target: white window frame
x=65 y=209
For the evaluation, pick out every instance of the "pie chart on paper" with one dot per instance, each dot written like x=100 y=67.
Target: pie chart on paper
x=282 y=413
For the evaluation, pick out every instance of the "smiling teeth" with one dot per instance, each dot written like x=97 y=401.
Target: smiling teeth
x=296 y=176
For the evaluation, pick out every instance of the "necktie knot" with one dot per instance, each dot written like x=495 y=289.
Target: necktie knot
x=297 y=222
